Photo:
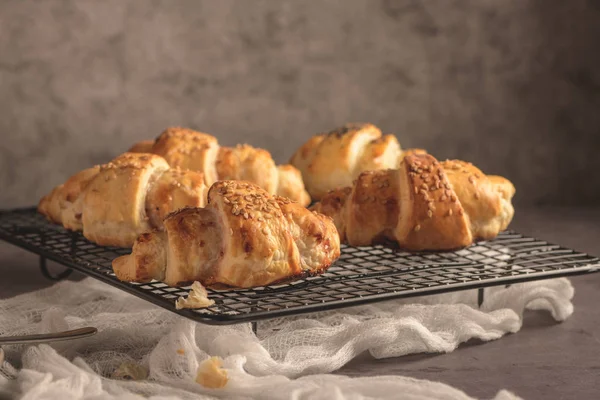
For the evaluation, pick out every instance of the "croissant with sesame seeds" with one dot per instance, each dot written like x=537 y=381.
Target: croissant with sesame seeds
x=243 y=238
x=334 y=159
x=423 y=205
x=113 y=203
x=197 y=151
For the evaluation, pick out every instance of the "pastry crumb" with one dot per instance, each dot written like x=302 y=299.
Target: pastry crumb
x=197 y=298
x=180 y=351
x=211 y=374
x=130 y=371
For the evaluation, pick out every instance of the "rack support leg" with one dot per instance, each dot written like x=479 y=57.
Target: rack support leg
x=254 y=327
x=48 y=275
x=479 y=297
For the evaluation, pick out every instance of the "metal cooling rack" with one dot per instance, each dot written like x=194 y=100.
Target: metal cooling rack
x=361 y=275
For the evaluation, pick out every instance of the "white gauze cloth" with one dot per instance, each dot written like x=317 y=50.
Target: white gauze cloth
x=289 y=358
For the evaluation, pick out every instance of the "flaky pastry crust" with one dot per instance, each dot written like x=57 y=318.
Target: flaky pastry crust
x=114 y=203
x=423 y=205
x=197 y=151
x=334 y=159
x=244 y=237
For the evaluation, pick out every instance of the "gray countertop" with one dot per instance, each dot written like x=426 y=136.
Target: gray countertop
x=544 y=360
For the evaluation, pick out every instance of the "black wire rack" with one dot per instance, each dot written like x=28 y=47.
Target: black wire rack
x=361 y=275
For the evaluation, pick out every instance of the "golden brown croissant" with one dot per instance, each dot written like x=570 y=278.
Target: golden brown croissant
x=244 y=237
x=423 y=205
x=114 y=203
x=334 y=159
x=189 y=149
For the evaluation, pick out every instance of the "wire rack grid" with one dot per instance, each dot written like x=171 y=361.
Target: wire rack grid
x=361 y=275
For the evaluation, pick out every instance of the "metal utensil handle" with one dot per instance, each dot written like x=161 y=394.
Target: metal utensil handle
x=49 y=337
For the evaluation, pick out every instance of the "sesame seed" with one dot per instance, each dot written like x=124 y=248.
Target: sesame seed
x=430 y=213
x=417 y=228
x=416 y=190
x=476 y=195
x=443 y=197
x=450 y=212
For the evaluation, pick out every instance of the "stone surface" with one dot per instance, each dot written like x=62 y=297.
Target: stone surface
x=513 y=86
x=545 y=360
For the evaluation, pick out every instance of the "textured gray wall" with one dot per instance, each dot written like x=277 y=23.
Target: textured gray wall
x=512 y=85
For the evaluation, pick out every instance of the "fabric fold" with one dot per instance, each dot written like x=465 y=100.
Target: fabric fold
x=289 y=358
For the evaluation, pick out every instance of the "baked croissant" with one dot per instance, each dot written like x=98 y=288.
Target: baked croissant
x=423 y=205
x=244 y=237
x=114 y=203
x=189 y=149
x=334 y=159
